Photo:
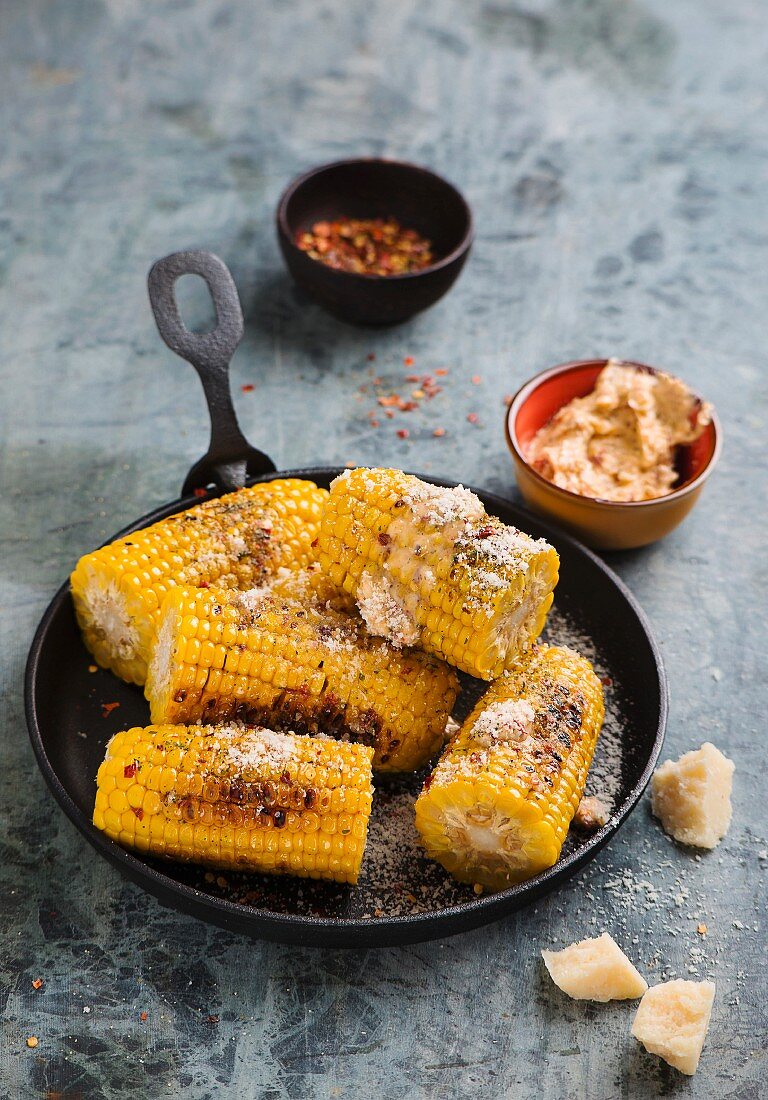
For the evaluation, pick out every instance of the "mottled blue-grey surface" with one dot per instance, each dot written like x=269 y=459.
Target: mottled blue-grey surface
x=615 y=154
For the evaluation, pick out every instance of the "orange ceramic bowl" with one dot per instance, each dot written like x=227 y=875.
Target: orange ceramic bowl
x=604 y=524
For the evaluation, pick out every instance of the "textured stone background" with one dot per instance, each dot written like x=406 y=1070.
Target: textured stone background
x=615 y=156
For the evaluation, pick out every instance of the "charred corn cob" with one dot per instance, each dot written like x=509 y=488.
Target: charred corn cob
x=307 y=667
x=497 y=807
x=236 y=798
x=429 y=568
x=236 y=541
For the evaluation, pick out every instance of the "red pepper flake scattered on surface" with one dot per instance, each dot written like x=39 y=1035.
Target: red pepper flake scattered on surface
x=403 y=433
x=375 y=423
x=366 y=246
x=606 y=681
x=441 y=372
x=32 y=1042
x=143 y=1017
x=200 y=492
x=313 y=543
x=371 y=356
x=413 y=377
x=507 y=400
x=386 y=402
x=139 y=812
x=439 y=433
x=107 y=708
x=476 y=379
x=37 y=983
x=248 y=387
x=213 y=1019
x=203 y=584
x=472 y=418
x=129 y=770
x=408 y=361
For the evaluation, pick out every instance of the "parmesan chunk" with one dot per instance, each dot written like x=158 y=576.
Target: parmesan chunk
x=692 y=796
x=595 y=970
x=672 y=1021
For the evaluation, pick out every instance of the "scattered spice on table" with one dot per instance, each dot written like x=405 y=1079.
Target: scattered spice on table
x=408 y=361
x=403 y=433
x=702 y=929
x=476 y=379
x=107 y=708
x=472 y=418
x=37 y=983
x=248 y=387
x=439 y=432
x=200 y=492
x=32 y=1042
x=366 y=246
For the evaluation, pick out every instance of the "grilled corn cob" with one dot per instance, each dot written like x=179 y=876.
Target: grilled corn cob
x=273 y=661
x=497 y=807
x=236 y=798
x=236 y=541
x=428 y=567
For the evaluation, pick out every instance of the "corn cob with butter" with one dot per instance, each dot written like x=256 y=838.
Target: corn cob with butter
x=234 y=541
x=498 y=805
x=268 y=660
x=240 y=799
x=430 y=568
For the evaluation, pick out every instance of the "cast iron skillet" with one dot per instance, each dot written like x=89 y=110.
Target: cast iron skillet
x=402 y=896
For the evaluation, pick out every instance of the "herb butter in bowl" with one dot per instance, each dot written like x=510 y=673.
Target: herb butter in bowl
x=614 y=451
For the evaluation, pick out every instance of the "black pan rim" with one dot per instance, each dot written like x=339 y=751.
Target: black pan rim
x=386 y=931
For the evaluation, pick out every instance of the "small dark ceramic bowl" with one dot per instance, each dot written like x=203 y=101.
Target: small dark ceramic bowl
x=375 y=188
x=604 y=524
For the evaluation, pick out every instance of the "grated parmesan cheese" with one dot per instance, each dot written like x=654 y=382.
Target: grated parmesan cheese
x=509 y=721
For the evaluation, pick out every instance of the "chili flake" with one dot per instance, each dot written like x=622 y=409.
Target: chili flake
x=441 y=372
x=476 y=379
x=439 y=432
x=403 y=433
x=129 y=770
x=37 y=983
x=408 y=361
x=107 y=708
x=32 y=1042
x=472 y=418
x=371 y=356
x=200 y=492
x=139 y=812
x=143 y=1017
x=366 y=246
x=248 y=387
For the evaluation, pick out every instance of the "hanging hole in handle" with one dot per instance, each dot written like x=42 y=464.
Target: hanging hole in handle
x=197 y=310
x=209 y=350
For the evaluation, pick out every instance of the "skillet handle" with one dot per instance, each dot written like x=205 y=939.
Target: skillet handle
x=230 y=458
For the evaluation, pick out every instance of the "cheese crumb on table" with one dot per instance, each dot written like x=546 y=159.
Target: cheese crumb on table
x=595 y=970
x=692 y=796
x=672 y=1021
